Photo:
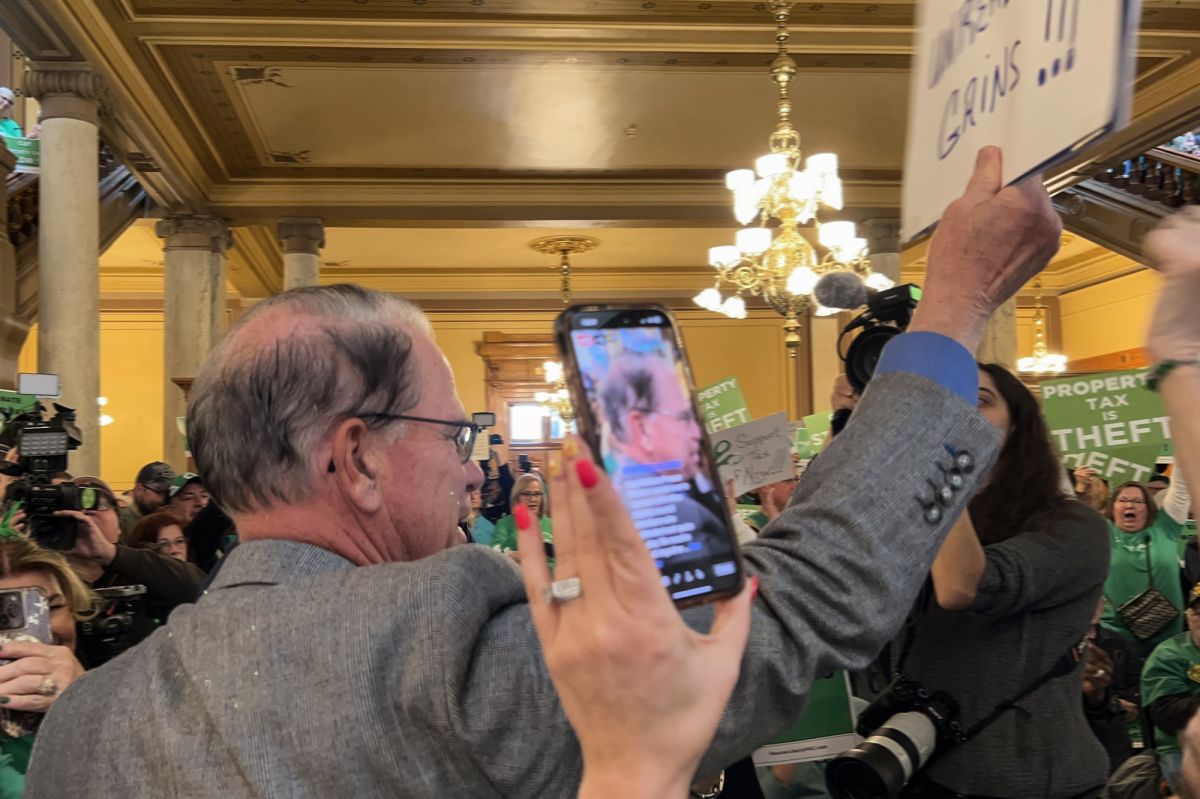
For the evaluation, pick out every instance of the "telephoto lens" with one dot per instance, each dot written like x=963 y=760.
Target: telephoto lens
x=882 y=765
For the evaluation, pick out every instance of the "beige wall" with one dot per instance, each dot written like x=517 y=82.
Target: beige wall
x=131 y=374
x=1108 y=317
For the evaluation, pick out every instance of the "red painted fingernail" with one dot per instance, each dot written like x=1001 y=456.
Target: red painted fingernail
x=521 y=515
x=587 y=473
x=753 y=587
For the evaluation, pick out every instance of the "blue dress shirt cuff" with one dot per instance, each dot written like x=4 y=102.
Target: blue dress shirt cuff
x=932 y=355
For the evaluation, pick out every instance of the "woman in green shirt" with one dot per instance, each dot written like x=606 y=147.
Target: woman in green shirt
x=530 y=491
x=1137 y=524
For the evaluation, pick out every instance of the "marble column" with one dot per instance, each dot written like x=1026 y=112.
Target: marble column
x=194 y=267
x=13 y=329
x=69 y=244
x=302 y=239
x=883 y=243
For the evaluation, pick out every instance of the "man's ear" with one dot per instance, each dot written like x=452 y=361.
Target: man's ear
x=354 y=465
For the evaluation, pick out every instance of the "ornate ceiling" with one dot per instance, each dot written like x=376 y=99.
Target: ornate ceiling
x=468 y=127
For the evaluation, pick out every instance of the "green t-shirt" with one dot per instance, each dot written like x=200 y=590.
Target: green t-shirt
x=14 y=761
x=10 y=129
x=1127 y=572
x=1173 y=668
x=505 y=536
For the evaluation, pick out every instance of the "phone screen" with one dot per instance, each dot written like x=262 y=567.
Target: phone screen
x=633 y=398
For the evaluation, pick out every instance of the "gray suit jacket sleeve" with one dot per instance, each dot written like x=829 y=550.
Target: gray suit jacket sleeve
x=839 y=570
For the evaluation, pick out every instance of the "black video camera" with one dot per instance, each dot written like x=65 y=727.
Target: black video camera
x=112 y=629
x=43 y=447
x=888 y=314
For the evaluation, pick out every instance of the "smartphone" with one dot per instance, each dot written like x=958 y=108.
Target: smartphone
x=24 y=616
x=635 y=405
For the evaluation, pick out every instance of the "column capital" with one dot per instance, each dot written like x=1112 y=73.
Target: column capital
x=66 y=91
x=882 y=234
x=301 y=235
x=194 y=233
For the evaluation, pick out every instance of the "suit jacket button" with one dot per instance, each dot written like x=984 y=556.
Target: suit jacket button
x=964 y=462
x=954 y=479
x=933 y=514
x=944 y=494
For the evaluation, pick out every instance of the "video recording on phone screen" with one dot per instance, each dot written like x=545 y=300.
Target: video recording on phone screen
x=651 y=446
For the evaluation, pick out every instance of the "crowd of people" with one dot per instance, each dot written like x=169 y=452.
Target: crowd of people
x=301 y=615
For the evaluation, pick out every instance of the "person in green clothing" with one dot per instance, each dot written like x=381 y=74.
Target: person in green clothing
x=1171 y=689
x=480 y=526
x=1143 y=528
x=530 y=491
x=24 y=564
x=8 y=125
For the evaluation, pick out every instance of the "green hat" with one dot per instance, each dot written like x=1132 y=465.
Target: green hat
x=182 y=480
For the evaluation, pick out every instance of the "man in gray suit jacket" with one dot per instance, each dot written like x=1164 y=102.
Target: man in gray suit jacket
x=349 y=648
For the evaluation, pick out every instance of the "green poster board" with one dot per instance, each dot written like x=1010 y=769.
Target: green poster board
x=722 y=405
x=27 y=151
x=824 y=731
x=14 y=404
x=1110 y=422
x=809 y=436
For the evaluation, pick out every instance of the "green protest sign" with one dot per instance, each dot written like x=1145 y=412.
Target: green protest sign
x=824 y=731
x=1109 y=422
x=809 y=436
x=722 y=405
x=27 y=151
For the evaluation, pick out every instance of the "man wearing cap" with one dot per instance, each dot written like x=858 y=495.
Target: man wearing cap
x=8 y=125
x=1171 y=688
x=149 y=494
x=187 y=496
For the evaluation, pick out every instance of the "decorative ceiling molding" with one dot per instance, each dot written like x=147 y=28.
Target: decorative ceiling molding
x=256 y=261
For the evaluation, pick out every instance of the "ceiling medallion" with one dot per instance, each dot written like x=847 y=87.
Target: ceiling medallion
x=777 y=262
x=564 y=247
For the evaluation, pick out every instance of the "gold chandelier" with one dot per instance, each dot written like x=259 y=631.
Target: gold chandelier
x=557 y=401
x=778 y=263
x=1043 y=361
x=564 y=247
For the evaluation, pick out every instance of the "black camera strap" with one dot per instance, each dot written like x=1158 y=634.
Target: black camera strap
x=1065 y=664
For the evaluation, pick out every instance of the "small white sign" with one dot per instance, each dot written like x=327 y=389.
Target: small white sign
x=1038 y=78
x=754 y=454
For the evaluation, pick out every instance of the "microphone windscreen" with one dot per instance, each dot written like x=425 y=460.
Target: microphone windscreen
x=840 y=290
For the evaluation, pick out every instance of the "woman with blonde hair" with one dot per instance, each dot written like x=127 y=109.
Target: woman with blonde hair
x=35 y=674
x=528 y=496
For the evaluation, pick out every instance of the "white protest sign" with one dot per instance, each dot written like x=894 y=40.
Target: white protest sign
x=756 y=453
x=1037 y=78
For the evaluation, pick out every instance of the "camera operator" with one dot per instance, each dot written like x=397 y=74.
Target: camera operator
x=37 y=673
x=104 y=563
x=1014 y=589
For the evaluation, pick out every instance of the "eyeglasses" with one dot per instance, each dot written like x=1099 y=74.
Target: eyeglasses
x=530 y=494
x=163 y=546
x=1130 y=501
x=464 y=441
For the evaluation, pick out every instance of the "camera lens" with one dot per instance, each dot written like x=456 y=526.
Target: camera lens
x=864 y=352
x=882 y=765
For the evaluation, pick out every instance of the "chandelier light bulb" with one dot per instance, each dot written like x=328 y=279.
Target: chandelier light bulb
x=879 y=281
x=801 y=187
x=822 y=164
x=734 y=308
x=821 y=310
x=101 y=401
x=851 y=250
x=725 y=255
x=771 y=165
x=836 y=235
x=802 y=281
x=553 y=371
x=105 y=420
x=745 y=205
x=709 y=300
x=831 y=193
x=739 y=179
x=753 y=240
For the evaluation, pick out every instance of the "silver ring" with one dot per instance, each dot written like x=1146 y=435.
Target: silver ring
x=1100 y=672
x=564 y=590
x=47 y=688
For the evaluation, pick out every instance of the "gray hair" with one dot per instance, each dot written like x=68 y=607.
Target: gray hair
x=629 y=385
x=514 y=496
x=257 y=411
